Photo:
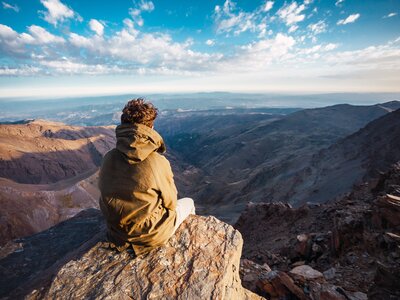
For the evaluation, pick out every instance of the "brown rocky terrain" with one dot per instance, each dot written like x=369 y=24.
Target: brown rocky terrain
x=42 y=152
x=201 y=261
x=353 y=243
x=28 y=208
x=48 y=173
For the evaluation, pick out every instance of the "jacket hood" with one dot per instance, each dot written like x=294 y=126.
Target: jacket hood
x=138 y=141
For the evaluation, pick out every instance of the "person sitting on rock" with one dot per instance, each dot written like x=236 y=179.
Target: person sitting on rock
x=138 y=194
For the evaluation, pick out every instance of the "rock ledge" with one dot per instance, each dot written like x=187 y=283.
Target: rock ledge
x=201 y=261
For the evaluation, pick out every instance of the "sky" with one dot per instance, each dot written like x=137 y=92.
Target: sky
x=56 y=48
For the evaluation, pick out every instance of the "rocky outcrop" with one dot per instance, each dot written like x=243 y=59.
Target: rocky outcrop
x=302 y=282
x=201 y=261
x=353 y=242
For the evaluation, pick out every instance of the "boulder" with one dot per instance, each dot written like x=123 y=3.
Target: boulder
x=201 y=261
x=278 y=285
x=327 y=292
x=305 y=273
x=303 y=245
x=251 y=272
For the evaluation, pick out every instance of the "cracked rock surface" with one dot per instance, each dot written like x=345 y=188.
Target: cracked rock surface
x=201 y=261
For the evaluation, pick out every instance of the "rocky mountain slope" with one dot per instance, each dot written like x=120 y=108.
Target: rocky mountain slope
x=333 y=171
x=250 y=158
x=28 y=208
x=354 y=242
x=41 y=151
x=47 y=173
x=201 y=261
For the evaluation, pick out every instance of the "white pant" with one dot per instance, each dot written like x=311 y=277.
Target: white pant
x=184 y=208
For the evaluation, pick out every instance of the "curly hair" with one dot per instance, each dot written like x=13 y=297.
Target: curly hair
x=139 y=111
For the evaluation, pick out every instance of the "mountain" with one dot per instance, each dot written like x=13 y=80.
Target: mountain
x=251 y=156
x=48 y=173
x=42 y=152
x=31 y=208
x=358 y=157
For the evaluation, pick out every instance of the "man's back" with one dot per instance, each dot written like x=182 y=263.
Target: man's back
x=138 y=194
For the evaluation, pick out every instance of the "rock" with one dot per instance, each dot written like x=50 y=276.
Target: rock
x=278 y=285
x=298 y=263
x=201 y=261
x=326 y=292
x=386 y=283
x=303 y=245
x=356 y=295
x=305 y=273
x=251 y=272
x=386 y=211
x=330 y=273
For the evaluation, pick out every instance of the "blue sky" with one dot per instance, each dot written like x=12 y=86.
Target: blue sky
x=61 y=47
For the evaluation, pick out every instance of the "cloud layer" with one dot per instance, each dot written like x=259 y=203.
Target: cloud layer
x=270 y=39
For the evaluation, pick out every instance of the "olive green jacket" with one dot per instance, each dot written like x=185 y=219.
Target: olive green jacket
x=138 y=194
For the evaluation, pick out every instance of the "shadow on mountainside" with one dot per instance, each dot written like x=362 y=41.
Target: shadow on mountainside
x=23 y=261
x=84 y=133
x=52 y=166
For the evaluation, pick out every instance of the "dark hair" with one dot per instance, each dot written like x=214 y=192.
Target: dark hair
x=139 y=111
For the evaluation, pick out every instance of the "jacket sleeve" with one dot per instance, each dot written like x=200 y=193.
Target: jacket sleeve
x=166 y=184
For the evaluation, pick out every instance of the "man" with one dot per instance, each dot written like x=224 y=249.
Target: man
x=138 y=193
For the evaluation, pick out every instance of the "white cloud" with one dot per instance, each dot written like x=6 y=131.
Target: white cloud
x=257 y=55
x=10 y=6
x=67 y=66
x=262 y=29
x=42 y=36
x=313 y=49
x=56 y=11
x=331 y=47
x=146 y=6
x=390 y=15
x=23 y=70
x=339 y=2
x=316 y=49
x=79 y=41
x=96 y=26
x=7 y=32
x=14 y=43
x=293 y=28
x=135 y=13
x=292 y=13
x=229 y=19
x=318 y=27
x=145 y=51
x=210 y=42
x=349 y=19
x=380 y=57
x=268 y=6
